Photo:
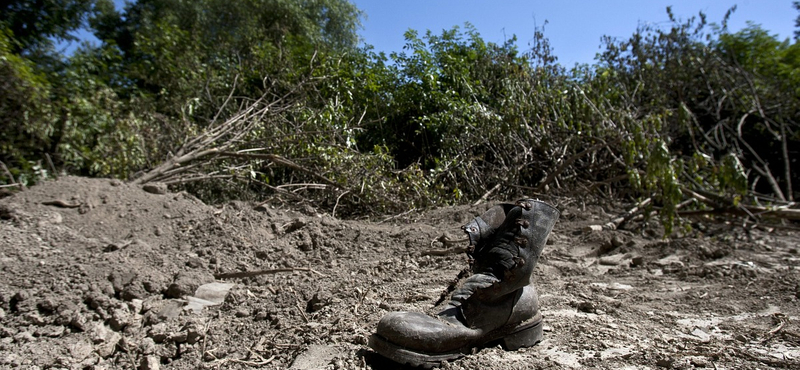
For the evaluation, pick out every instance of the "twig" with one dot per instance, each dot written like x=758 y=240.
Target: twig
x=620 y=221
x=52 y=167
x=196 y=178
x=61 y=203
x=236 y=275
x=397 y=215
x=764 y=170
x=563 y=166
x=445 y=252
x=333 y=213
x=10 y=176
x=446 y=241
x=744 y=210
x=281 y=161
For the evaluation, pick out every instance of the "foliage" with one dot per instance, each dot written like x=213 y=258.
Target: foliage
x=669 y=112
x=24 y=113
x=35 y=22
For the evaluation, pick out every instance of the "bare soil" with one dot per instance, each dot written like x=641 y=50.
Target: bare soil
x=95 y=274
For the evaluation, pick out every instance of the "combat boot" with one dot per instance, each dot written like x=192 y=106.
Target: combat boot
x=496 y=303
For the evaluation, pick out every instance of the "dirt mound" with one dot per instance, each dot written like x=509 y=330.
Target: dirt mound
x=97 y=273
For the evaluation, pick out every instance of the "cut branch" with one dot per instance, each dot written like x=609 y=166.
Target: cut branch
x=563 y=166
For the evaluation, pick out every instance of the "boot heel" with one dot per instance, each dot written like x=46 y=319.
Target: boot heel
x=524 y=338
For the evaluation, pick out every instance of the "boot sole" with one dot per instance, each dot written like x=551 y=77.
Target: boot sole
x=524 y=335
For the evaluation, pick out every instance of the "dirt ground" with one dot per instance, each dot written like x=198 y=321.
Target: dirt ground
x=97 y=274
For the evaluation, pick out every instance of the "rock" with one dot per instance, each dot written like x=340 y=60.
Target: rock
x=23 y=337
x=179 y=337
x=105 y=340
x=147 y=346
x=155 y=188
x=150 y=363
x=242 y=312
x=665 y=362
x=318 y=301
x=586 y=306
x=52 y=331
x=121 y=279
x=81 y=350
x=613 y=260
x=637 y=261
x=296 y=224
x=592 y=229
x=194 y=332
x=16 y=301
x=186 y=282
x=159 y=333
x=135 y=306
x=161 y=311
x=120 y=318
x=34 y=318
x=701 y=336
x=701 y=362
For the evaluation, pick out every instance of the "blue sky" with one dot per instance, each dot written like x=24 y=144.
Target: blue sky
x=574 y=27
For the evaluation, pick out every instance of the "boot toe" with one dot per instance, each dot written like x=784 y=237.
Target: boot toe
x=420 y=332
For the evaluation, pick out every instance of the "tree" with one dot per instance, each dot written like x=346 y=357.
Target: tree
x=35 y=23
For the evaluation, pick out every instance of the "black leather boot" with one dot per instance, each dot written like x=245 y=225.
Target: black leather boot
x=497 y=303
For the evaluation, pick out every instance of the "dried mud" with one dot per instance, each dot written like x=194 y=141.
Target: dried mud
x=95 y=273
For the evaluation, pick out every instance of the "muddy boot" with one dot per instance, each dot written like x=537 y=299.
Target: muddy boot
x=497 y=303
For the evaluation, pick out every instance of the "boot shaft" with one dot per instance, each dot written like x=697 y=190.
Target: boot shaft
x=510 y=239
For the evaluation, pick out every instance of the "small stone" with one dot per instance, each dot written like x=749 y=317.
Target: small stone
x=665 y=362
x=186 y=282
x=52 y=331
x=23 y=337
x=637 y=261
x=318 y=301
x=194 y=332
x=179 y=337
x=592 y=229
x=242 y=312
x=611 y=260
x=81 y=350
x=701 y=362
x=135 y=305
x=158 y=332
x=120 y=318
x=587 y=307
x=34 y=318
x=147 y=346
x=155 y=188
x=150 y=363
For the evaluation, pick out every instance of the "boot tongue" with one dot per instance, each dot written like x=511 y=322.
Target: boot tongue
x=494 y=217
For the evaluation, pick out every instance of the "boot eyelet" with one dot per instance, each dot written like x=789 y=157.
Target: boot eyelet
x=521 y=241
x=526 y=205
x=523 y=222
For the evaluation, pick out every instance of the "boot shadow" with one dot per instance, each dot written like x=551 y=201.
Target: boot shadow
x=378 y=362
